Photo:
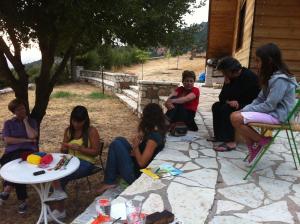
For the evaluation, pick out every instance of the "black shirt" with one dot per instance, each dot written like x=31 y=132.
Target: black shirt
x=160 y=141
x=243 y=88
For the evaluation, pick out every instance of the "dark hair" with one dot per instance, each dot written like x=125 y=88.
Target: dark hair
x=14 y=104
x=271 y=61
x=228 y=64
x=79 y=114
x=188 y=74
x=153 y=119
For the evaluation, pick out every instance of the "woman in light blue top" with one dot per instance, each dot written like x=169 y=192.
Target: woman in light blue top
x=274 y=102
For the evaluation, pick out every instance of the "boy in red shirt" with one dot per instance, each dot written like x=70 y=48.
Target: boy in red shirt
x=183 y=102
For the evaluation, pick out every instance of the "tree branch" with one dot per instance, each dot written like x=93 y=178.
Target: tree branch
x=5 y=71
x=62 y=64
x=15 y=61
x=47 y=48
x=15 y=42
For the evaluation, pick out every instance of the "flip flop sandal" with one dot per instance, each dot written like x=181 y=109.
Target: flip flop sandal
x=224 y=148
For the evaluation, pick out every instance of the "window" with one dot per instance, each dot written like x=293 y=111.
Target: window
x=241 y=25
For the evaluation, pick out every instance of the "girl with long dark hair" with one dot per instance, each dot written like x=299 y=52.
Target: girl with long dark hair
x=274 y=102
x=80 y=140
x=126 y=159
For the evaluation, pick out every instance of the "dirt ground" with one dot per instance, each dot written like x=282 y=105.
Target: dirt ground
x=109 y=116
x=166 y=69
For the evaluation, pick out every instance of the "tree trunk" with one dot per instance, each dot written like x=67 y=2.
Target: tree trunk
x=73 y=70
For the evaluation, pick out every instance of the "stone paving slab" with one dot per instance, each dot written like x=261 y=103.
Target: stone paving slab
x=211 y=188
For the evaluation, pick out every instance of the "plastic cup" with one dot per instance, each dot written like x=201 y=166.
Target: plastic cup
x=133 y=212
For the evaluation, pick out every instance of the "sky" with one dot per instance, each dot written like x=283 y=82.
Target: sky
x=199 y=15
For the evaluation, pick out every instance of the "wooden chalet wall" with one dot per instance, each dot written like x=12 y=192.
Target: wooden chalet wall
x=221 y=28
x=278 y=21
x=243 y=53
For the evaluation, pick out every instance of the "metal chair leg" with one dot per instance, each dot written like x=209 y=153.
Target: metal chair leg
x=295 y=145
x=289 y=140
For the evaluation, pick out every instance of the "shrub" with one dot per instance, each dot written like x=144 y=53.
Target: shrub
x=97 y=95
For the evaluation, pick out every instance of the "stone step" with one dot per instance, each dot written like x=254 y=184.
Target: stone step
x=128 y=101
x=131 y=94
x=99 y=80
x=134 y=88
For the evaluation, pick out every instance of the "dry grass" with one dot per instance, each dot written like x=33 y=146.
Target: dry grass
x=109 y=116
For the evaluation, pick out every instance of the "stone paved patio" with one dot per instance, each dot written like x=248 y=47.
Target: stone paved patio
x=212 y=190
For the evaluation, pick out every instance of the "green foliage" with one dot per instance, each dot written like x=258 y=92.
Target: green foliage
x=112 y=57
x=98 y=95
x=63 y=27
x=168 y=55
x=185 y=39
x=92 y=95
x=200 y=37
x=62 y=94
x=33 y=71
x=90 y=60
x=142 y=56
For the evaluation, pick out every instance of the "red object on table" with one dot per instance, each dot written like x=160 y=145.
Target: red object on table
x=47 y=159
x=100 y=219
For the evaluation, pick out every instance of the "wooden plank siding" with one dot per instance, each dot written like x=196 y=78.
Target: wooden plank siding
x=243 y=53
x=221 y=28
x=278 y=21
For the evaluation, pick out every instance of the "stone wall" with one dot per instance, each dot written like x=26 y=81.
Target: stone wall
x=150 y=91
x=112 y=81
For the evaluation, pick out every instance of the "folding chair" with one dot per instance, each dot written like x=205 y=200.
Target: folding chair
x=97 y=168
x=289 y=126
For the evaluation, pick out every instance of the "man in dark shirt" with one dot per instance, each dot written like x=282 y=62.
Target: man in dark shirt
x=240 y=88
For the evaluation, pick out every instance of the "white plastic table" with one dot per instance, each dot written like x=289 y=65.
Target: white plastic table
x=22 y=173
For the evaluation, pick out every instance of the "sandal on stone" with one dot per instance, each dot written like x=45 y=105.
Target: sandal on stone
x=224 y=148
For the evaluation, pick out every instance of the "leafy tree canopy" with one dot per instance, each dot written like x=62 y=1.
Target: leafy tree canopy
x=61 y=26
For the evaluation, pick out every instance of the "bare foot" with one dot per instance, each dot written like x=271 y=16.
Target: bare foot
x=105 y=187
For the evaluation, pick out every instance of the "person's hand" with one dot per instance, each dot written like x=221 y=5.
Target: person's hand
x=136 y=140
x=74 y=147
x=25 y=120
x=169 y=105
x=132 y=152
x=234 y=104
x=33 y=140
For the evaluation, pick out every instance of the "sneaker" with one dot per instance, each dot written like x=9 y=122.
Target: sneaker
x=257 y=147
x=57 y=214
x=4 y=196
x=57 y=195
x=22 y=208
x=264 y=141
x=253 y=154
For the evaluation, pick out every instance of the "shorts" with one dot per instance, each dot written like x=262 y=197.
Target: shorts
x=258 y=117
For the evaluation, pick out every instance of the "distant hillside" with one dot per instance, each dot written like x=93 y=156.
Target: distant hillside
x=33 y=64
x=200 y=37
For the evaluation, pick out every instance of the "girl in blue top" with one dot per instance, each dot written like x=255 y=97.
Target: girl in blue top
x=126 y=159
x=274 y=102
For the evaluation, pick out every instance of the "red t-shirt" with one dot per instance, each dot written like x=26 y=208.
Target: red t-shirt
x=193 y=104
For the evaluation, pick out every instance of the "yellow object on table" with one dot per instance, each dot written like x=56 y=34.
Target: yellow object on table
x=34 y=159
